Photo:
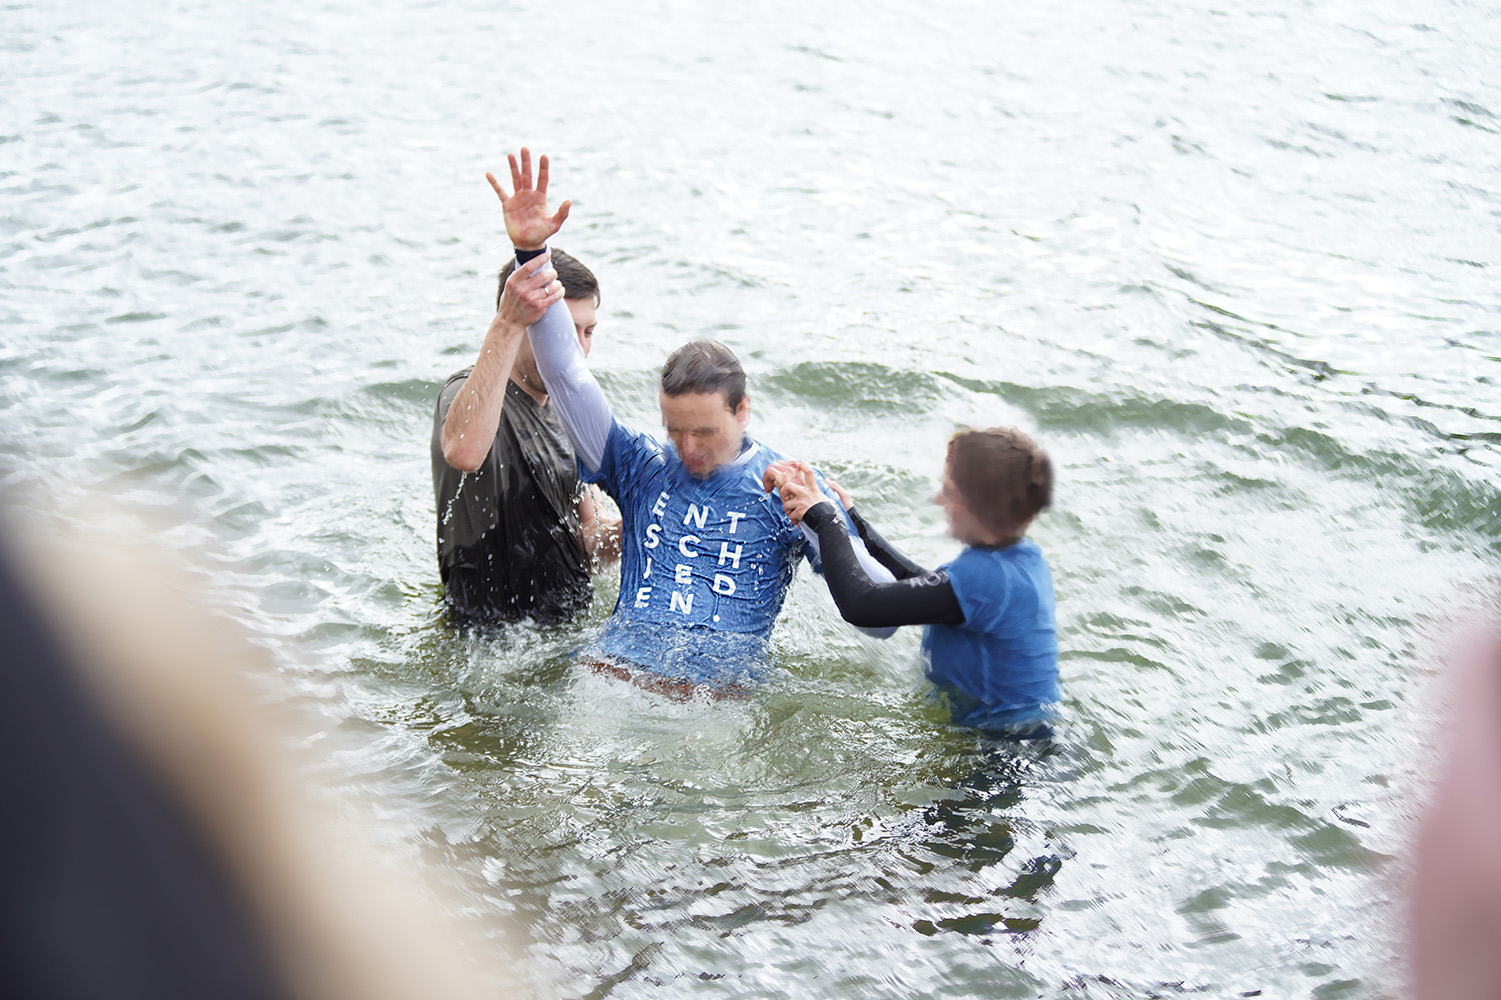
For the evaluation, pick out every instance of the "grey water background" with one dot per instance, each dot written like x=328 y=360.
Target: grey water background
x=1236 y=267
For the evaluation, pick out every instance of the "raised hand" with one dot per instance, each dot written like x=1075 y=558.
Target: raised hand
x=527 y=220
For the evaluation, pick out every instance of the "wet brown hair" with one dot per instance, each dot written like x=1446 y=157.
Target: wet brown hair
x=578 y=281
x=704 y=366
x=1003 y=476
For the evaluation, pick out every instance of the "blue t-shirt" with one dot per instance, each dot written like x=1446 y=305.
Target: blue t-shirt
x=705 y=563
x=1000 y=667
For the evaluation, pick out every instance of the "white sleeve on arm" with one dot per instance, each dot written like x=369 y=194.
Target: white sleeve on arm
x=873 y=569
x=571 y=386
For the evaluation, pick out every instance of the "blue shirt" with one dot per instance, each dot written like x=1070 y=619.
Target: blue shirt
x=705 y=563
x=1001 y=666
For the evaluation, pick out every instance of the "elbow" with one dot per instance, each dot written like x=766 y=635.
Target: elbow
x=864 y=621
x=463 y=457
x=859 y=615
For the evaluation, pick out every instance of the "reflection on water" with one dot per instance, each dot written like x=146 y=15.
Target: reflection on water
x=631 y=845
x=977 y=828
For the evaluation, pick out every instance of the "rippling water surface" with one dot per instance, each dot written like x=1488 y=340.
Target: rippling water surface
x=1236 y=268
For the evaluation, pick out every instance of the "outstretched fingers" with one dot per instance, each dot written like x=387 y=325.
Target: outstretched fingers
x=521 y=179
x=526 y=169
x=528 y=222
x=498 y=189
x=515 y=172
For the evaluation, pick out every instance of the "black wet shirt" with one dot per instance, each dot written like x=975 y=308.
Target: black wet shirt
x=509 y=541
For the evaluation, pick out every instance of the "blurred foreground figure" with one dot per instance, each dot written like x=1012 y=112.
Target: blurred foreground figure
x=153 y=842
x=108 y=890
x=1456 y=898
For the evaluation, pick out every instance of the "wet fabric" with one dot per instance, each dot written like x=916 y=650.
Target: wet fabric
x=1000 y=667
x=698 y=556
x=990 y=638
x=705 y=563
x=509 y=542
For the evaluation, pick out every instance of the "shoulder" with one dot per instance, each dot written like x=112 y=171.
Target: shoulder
x=631 y=459
x=518 y=404
x=625 y=441
x=976 y=562
x=750 y=465
x=748 y=470
x=997 y=564
x=761 y=453
x=1028 y=549
x=985 y=576
x=980 y=577
x=451 y=389
x=1026 y=557
x=758 y=455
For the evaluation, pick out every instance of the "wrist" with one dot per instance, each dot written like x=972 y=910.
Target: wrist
x=820 y=513
x=524 y=254
x=506 y=327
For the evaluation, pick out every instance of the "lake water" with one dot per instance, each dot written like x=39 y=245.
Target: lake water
x=1236 y=268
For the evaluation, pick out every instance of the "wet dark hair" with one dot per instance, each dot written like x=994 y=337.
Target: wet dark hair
x=1003 y=476
x=578 y=281
x=704 y=366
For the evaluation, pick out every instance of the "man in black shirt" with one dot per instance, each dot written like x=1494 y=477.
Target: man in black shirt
x=517 y=531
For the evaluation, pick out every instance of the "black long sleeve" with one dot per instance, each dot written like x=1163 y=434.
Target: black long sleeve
x=884 y=552
x=918 y=598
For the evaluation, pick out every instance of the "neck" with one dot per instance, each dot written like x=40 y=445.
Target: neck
x=999 y=539
x=524 y=382
x=991 y=539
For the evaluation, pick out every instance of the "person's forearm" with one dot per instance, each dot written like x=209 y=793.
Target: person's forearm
x=864 y=602
x=571 y=386
x=600 y=528
x=883 y=551
x=873 y=567
x=877 y=572
x=473 y=417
